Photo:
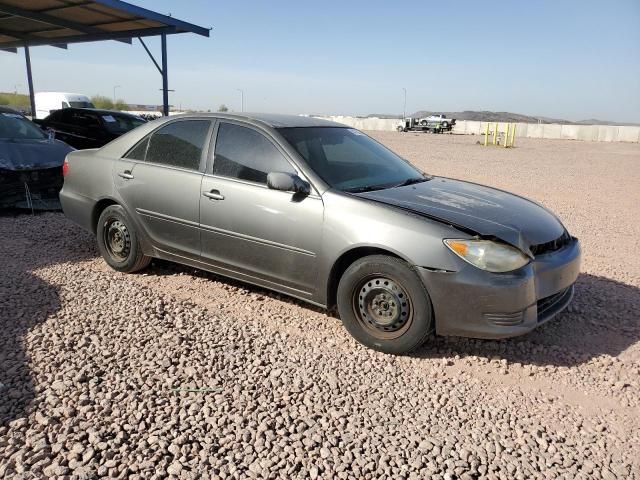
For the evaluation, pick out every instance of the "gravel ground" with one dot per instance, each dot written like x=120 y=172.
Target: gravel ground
x=175 y=372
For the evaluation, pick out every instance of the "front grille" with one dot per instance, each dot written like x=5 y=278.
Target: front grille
x=551 y=246
x=20 y=188
x=547 y=304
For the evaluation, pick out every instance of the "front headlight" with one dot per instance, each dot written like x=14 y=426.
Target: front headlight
x=488 y=255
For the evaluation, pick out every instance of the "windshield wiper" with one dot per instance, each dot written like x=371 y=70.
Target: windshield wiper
x=411 y=181
x=384 y=186
x=367 y=188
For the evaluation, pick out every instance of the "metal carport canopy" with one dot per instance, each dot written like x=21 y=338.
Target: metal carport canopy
x=61 y=22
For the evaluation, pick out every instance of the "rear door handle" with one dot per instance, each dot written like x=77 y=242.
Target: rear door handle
x=126 y=174
x=213 y=195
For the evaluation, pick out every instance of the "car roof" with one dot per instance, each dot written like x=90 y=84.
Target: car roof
x=273 y=120
x=99 y=111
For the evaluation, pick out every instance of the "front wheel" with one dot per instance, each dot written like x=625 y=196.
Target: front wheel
x=384 y=305
x=118 y=241
x=400 y=129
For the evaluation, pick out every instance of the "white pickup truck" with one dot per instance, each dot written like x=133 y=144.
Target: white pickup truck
x=444 y=122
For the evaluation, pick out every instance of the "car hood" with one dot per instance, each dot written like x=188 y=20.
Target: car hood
x=486 y=211
x=32 y=154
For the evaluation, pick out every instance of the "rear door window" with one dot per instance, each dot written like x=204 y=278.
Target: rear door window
x=84 y=119
x=246 y=154
x=119 y=124
x=179 y=144
x=62 y=116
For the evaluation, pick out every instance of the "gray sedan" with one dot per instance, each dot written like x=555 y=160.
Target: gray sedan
x=324 y=213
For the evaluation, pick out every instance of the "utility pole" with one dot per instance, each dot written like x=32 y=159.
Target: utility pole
x=241 y=99
x=32 y=98
x=404 y=109
x=165 y=75
x=114 y=93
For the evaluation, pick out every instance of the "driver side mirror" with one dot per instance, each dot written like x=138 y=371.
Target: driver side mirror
x=288 y=182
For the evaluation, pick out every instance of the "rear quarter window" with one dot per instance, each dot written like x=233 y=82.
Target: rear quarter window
x=139 y=152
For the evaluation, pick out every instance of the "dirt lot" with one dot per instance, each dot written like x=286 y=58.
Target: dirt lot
x=178 y=372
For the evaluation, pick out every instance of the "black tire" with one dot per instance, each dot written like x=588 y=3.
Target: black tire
x=445 y=124
x=424 y=123
x=400 y=129
x=384 y=305
x=118 y=241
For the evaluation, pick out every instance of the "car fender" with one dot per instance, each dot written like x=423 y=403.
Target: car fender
x=353 y=223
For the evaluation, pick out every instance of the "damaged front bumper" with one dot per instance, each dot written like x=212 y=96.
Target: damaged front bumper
x=36 y=189
x=475 y=303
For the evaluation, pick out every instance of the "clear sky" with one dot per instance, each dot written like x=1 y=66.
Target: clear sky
x=573 y=59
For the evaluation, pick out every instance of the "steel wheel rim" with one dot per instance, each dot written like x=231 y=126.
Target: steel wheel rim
x=117 y=239
x=383 y=307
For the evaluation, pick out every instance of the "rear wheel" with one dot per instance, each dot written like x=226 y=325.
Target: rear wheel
x=384 y=305
x=118 y=241
x=400 y=129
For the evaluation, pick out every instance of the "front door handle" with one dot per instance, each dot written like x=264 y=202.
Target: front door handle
x=213 y=195
x=126 y=175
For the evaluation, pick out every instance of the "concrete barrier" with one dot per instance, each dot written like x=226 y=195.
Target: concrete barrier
x=606 y=133
x=594 y=133
x=628 y=134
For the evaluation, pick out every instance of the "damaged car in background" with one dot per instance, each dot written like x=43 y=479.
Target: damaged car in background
x=30 y=164
x=89 y=127
x=326 y=214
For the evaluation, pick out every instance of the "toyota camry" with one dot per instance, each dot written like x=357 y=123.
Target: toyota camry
x=324 y=213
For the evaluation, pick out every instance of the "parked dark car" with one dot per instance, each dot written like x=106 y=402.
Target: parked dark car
x=324 y=213
x=88 y=127
x=30 y=163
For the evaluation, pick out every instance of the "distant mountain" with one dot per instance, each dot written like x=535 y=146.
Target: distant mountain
x=595 y=121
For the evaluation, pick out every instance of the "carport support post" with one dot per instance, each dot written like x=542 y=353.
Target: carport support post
x=165 y=77
x=32 y=97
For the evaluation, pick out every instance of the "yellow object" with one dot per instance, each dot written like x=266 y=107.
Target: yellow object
x=458 y=247
x=513 y=135
x=486 y=135
x=506 y=136
x=495 y=134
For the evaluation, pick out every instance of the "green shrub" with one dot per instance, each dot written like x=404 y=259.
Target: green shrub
x=100 y=101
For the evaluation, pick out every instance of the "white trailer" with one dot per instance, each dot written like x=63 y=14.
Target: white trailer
x=47 y=102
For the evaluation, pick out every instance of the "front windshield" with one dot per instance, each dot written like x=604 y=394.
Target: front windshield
x=80 y=104
x=14 y=125
x=120 y=124
x=349 y=160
